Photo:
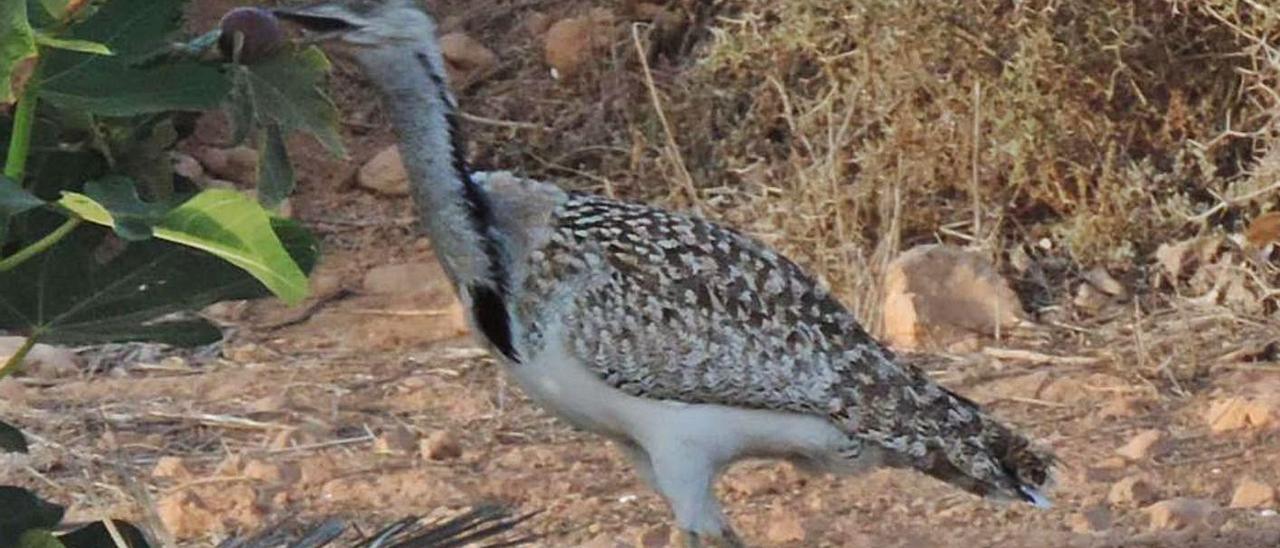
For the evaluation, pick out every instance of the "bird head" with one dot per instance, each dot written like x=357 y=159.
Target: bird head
x=361 y=26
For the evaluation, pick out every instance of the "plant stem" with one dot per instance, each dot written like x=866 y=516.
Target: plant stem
x=11 y=366
x=15 y=165
x=12 y=261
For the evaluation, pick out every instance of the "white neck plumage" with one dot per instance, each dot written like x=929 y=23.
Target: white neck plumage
x=455 y=211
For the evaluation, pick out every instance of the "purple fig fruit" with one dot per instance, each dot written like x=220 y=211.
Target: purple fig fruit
x=261 y=32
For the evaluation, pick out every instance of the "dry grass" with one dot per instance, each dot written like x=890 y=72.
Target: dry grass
x=841 y=131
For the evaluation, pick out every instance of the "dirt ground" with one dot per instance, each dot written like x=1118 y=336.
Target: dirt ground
x=377 y=406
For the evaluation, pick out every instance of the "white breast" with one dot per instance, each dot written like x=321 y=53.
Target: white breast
x=560 y=382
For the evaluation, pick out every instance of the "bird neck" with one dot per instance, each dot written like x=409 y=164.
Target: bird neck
x=455 y=212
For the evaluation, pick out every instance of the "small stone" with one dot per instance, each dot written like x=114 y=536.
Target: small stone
x=658 y=536
x=784 y=527
x=1180 y=513
x=402 y=279
x=604 y=540
x=536 y=23
x=440 y=445
x=1145 y=445
x=384 y=173
x=466 y=59
x=1093 y=519
x=187 y=166
x=570 y=43
x=397 y=440
x=170 y=468
x=273 y=473
x=238 y=164
x=1251 y=493
x=1099 y=277
x=1238 y=413
x=185 y=515
x=1122 y=408
x=12 y=392
x=43 y=361
x=270 y=403
x=247 y=353
x=1131 y=491
x=1090 y=298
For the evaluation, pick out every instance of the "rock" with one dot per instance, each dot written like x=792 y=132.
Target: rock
x=185 y=515
x=440 y=445
x=1122 y=408
x=1180 y=513
x=187 y=166
x=384 y=173
x=466 y=59
x=12 y=392
x=42 y=361
x=270 y=403
x=1090 y=298
x=1131 y=491
x=658 y=536
x=403 y=279
x=536 y=23
x=784 y=527
x=170 y=468
x=1099 y=277
x=272 y=473
x=238 y=164
x=1239 y=413
x=937 y=294
x=570 y=43
x=604 y=540
x=1094 y=519
x=1179 y=258
x=1145 y=445
x=762 y=479
x=396 y=440
x=1263 y=231
x=1251 y=493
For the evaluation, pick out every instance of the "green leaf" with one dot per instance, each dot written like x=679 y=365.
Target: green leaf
x=55 y=8
x=24 y=511
x=227 y=224
x=287 y=90
x=93 y=288
x=113 y=85
x=13 y=200
x=131 y=217
x=17 y=42
x=71 y=44
x=11 y=439
x=275 y=173
x=95 y=535
x=39 y=538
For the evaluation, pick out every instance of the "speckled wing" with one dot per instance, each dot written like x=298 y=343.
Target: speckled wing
x=665 y=306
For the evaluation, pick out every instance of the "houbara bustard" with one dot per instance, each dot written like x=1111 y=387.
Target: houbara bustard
x=688 y=344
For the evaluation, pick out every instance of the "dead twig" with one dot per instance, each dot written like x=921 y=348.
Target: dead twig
x=1038 y=357
x=308 y=311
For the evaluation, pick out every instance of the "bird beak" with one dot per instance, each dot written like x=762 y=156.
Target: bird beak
x=319 y=22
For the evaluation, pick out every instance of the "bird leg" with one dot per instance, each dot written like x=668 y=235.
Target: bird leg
x=684 y=476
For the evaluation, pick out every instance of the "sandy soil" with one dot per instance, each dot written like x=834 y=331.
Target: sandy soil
x=373 y=407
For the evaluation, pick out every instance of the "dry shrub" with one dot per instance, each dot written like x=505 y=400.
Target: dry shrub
x=841 y=130
x=844 y=127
